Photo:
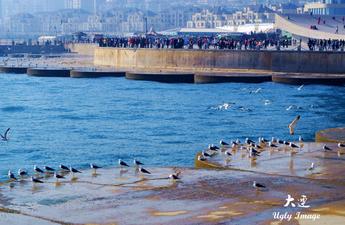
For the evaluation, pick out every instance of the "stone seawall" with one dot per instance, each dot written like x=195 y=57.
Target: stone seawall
x=82 y=49
x=213 y=60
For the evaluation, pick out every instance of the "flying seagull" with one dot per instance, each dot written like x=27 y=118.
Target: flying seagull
x=293 y=124
x=4 y=137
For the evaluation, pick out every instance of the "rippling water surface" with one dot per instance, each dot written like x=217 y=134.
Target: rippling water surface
x=78 y=121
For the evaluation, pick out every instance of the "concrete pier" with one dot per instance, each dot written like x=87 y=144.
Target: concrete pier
x=164 y=77
x=233 y=77
x=96 y=73
x=331 y=135
x=299 y=79
x=48 y=72
x=13 y=69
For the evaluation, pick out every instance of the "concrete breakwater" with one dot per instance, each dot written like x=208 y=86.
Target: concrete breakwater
x=231 y=76
x=218 y=60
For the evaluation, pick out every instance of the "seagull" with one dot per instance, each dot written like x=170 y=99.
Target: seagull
x=300 y=87
x=174 y=176
x=238 y=141
x=11 y=175
x=38 y=170
x=63 y=167
x=22 y=173
x=227 y=153
x=223 y=143
x=292 y=145
x=122 y=163
x=4 y=137
x=142 y=170
x=137 y=163
x=201 y=158
x=280 y=141
x=213 y=147
x=248 y=141
x=311 y=166
x=49 y=169
x=258 y=185
x=205 y=154
x=253 y=153
x=293 y=124
x=73 y=170
x=35 y=180
x=94 y=167
x=58 y=176
x=326 y=148
x=271 y=145
x=341 y=145
x=300 y=139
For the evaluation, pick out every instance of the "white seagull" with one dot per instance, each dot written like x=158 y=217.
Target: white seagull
x=258 y=185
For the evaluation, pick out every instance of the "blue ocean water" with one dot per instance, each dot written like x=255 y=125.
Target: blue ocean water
x=78 y=121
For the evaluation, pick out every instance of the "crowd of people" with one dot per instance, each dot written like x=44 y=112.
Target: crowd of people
x=326 y=45
x=251 y=43
x=211 y=42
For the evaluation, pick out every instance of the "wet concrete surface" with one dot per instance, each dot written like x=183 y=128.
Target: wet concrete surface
x=219 y=196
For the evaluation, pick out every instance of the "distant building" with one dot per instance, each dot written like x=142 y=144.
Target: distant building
x=206 y=19
x=326 y=7
x=87 y=5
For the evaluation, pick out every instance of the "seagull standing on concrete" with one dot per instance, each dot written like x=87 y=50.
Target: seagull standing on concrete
x=137 y=163
x=293 y=124
x=312 y=167
x=223 y=143
x=201 y=158
x=94 y=167
x=326 y=148
x=123 y=164
x=58 y=176
x=36 y=180
x=38 y=170
x=63 y=167
x=49 y=169
x=11 y=175
x=4 y=137
x=258 y=185
x=22 y=173
x=144 y=171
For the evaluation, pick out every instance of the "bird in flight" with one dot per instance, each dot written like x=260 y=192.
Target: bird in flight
x=293 y=124
x=4 y=137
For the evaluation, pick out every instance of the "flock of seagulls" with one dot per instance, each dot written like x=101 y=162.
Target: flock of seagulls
x=22 y=174
x=63 y=171
x=254 y=149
